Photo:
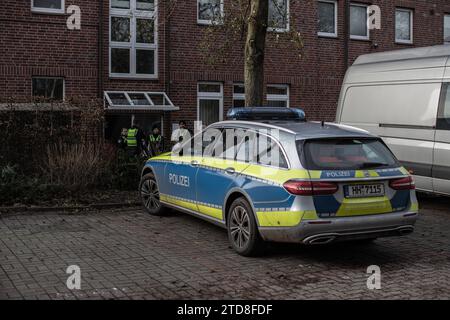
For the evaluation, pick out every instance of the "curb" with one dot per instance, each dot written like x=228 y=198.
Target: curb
x=100 y=206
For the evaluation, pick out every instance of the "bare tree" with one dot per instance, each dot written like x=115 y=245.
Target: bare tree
x=255 y=46
x=247 y=22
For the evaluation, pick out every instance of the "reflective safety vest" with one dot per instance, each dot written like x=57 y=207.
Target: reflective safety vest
x=152 y=139
x=131 y=138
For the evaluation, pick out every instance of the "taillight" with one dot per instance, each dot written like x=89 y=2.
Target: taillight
x=406 y=183
x=310 y=188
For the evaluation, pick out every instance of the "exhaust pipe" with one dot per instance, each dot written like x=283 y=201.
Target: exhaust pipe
x=320 y=240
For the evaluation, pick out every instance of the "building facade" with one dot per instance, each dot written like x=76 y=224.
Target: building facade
x=145 y=58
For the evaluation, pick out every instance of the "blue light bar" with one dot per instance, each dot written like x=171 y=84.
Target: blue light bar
x=266 y=114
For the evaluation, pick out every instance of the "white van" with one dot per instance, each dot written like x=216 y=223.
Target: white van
x=404 y=97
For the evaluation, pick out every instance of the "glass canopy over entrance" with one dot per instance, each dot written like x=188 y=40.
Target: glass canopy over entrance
x=137 y=100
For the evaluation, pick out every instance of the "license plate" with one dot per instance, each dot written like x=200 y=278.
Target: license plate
x=364 y=190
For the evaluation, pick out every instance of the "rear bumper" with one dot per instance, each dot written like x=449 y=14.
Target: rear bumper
x=343 y=229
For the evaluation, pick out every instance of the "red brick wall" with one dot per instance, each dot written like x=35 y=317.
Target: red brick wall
x=34 y=44
x=40 y=45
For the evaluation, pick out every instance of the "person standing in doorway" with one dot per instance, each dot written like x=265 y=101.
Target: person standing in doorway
x=181 y=134
x=155 y=142
x=135 y=139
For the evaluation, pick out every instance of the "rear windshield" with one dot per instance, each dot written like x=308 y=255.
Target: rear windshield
x=345 y=154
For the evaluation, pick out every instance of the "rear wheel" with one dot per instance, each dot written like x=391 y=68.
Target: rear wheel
x=150 y=195
x=242 y=229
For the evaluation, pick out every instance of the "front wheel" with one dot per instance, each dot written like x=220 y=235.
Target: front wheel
x=150 y=195
x=242 y=229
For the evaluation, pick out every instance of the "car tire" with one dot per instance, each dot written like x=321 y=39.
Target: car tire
x=242 y=229
x=149 y=193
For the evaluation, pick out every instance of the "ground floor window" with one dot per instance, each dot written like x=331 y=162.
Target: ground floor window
x=447 y=28
x=209 y=102
x=238 y=95
x=278 y=95
x=48 y=88
x=403 y=25
x=47 y=6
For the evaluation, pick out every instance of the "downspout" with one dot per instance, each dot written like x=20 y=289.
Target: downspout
x=100 y=60
x=167 y=29
x=346 y=33
x=100 y=50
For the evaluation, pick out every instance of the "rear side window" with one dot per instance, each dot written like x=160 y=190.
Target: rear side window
x=345 y=154
x=443 y=122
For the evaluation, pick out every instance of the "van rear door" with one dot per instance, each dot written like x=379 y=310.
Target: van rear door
x=441 y=165
x=404 y=115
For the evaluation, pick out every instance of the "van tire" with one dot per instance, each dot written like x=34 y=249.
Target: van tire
x=243 y=233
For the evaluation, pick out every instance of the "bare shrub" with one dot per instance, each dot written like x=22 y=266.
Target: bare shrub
x=78 y=166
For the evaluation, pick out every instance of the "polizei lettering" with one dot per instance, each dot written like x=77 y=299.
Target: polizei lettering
x=182 y=181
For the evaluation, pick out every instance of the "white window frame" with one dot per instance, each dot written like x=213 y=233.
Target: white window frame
x=48 y=10
x=446 y=16
x=210 y=96
x=281 y=30
x=411 y=26
x=133 y=14
x=48 y=77
x=327 y=34
x=211 y=21
x=279 y=97
x=238 y=96
x=356 y=37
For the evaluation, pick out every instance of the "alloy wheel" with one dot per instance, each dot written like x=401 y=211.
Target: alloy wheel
x=150 y=195
x=240 y=227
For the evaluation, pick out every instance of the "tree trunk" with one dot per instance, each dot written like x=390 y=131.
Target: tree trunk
x=254 y=52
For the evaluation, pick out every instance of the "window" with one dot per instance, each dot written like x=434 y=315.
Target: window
x=238 y=95
x=278 y=15
x=209 y=11
x=327 y=18
x=210 y=102
x=48 y=88
x=447 y=29
x=345 y=154
x=403 y=26
x=48 y=6
x=278 y=96
x=133 y=39
x=269 y=153
x=358 y=22
x=443 y=122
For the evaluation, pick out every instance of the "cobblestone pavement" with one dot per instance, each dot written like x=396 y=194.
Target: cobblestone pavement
x=129 y=254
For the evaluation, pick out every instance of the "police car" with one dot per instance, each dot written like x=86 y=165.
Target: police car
x=269 y=175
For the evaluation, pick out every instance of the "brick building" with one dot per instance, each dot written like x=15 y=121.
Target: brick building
x=136 y=46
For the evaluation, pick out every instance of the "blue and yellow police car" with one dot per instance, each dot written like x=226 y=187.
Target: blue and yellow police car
x=270 y=175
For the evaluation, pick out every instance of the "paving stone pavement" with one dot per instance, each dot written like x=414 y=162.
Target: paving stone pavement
x=127 y=254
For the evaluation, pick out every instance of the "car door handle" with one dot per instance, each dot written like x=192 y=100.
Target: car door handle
x=194 y=163
x=230 y=171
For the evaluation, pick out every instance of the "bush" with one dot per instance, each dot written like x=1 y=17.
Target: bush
x=126 y=171
x=16 y=187
x=79 y=166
